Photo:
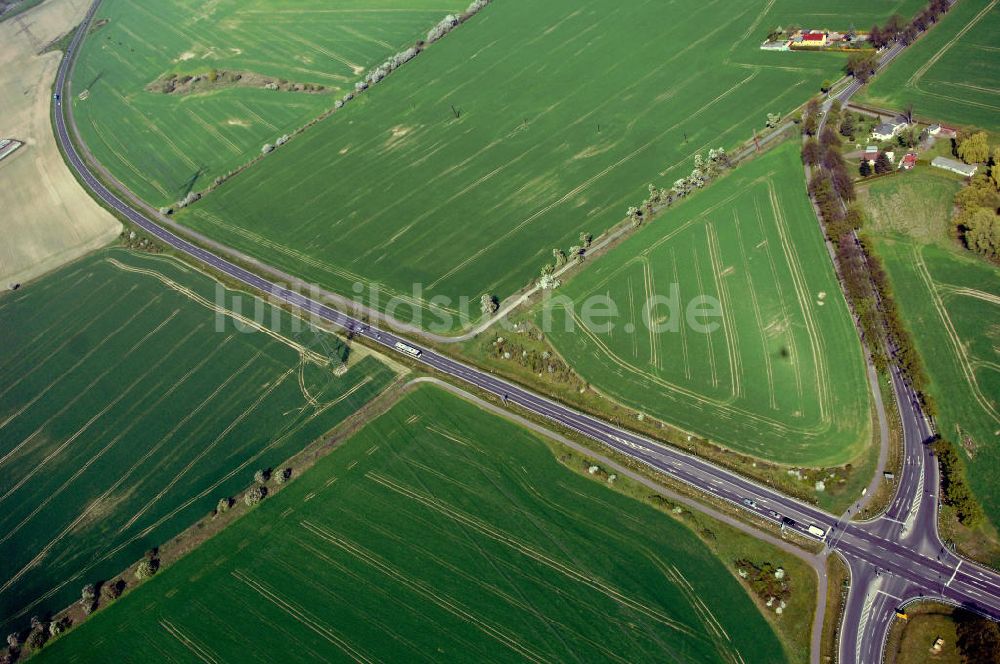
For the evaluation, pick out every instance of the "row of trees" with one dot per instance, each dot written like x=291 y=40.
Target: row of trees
x=863 y=64
x=866 y=284
x=955 y=490
x=42 y=629
x=897 y=29
x=705 y=170
x=92 y=595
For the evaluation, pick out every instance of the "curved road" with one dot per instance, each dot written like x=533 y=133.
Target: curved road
x=892 y=559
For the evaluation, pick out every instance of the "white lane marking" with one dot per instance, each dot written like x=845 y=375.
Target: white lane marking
x=954 y=573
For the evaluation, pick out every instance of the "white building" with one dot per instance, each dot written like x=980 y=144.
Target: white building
x=887 y=130
x=955 y=166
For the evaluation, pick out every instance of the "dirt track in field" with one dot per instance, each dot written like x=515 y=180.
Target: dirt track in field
x=46 y=218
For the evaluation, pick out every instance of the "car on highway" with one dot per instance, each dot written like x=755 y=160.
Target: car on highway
x=749 y=503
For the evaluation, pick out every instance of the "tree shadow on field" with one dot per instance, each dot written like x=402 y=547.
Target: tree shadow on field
x=186 y=188
x=97 y=78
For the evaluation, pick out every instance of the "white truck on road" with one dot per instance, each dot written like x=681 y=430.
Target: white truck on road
x=817 y=532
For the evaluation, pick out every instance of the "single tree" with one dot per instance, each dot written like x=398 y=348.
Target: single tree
x=36 y=639
x=847 y=126
x=828 y=137
x=865 y=168
x=882 y=164
x=145 y=569
x=974 y=148
x=809 y=125
x=112 y=590
x=254 y=495
x=875 y=37
x=489 y=304
x=810 y=152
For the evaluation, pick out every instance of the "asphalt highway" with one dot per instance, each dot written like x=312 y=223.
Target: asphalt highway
x=893 y=559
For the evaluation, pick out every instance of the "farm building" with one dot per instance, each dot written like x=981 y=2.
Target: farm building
x=954 y=166
x=887 y=130
x=942 y=130
x=7 y=146
x=809 y=39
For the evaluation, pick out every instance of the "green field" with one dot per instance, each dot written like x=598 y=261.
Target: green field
x=130 y=403
x=161 y=145
x=952 y=74
x=951 y=302
x=439 y=533
x=782 y=376
x=529 y=125
x=916 y=204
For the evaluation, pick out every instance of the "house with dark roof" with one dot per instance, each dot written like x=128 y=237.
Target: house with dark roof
x=887 y=130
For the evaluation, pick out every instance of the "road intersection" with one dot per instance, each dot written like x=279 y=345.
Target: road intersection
x=894 y=559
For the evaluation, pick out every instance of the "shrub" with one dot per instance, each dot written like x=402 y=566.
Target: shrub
x=224 y=505
x=254 y=495
x=262 y=475
x=145 y=570
x=57 y=627
x=112 y=590
x=36 y=639
x=87 y=597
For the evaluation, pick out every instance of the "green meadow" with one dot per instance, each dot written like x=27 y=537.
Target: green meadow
x=779 y=374
x=135 y=395
x=950 y=300
x=952 y=74
x=530 y=124
x=163 y=145
x=438 y=533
